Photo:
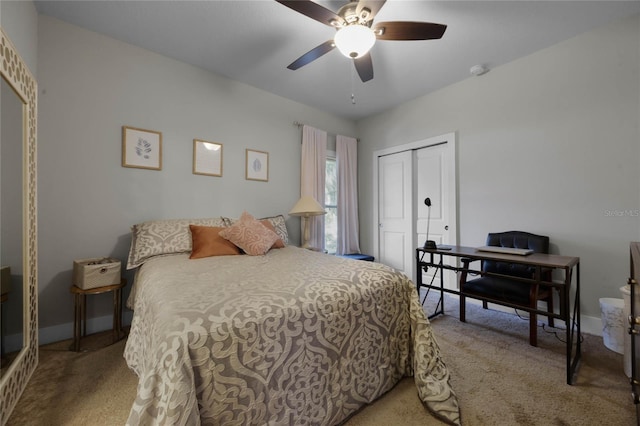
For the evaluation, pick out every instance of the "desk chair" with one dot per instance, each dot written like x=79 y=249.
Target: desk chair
x=498 y=289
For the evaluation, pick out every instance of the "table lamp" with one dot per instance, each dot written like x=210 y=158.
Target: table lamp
x=306 y=207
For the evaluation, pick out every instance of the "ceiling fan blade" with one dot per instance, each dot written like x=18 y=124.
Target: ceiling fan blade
x=364 y=66
x=373 y=5
x=312 y=55
x=406 y=30
x=314 y=11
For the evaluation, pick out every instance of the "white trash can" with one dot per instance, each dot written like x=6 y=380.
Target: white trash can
x=626 y=295
x=613 y=323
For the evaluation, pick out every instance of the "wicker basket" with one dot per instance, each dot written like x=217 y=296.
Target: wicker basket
x=96 y=272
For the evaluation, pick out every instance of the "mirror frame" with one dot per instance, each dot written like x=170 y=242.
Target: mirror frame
x=16 y=73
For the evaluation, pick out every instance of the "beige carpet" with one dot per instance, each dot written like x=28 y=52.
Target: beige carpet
x=499 y=379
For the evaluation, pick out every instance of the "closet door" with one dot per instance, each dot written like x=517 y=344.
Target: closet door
x=433 y=180
x=404 y=176
x=395 y=228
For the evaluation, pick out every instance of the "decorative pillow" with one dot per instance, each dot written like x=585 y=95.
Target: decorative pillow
x=280 y=227
x=161 y=237
x=250 y=235
x=277 y=221
x=278 y=243
x=207 y=242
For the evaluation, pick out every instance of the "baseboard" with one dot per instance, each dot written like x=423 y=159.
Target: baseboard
x=56 y=333
x=588 y=324
x=60 y=332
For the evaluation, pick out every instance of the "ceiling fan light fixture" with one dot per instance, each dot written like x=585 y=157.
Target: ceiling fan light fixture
x=354 y=41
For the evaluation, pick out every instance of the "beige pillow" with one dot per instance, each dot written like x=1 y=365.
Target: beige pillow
x=162 y=237
x=250 y=235
x=280 y=227
x=207 y=242
x=279 y=243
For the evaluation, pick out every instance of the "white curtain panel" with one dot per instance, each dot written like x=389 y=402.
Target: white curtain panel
x=348 y=228
x=312 y=177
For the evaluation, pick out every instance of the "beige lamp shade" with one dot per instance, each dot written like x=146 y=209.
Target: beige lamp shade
x=306 y=207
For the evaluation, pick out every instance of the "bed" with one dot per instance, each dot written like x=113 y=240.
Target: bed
x=289 y=337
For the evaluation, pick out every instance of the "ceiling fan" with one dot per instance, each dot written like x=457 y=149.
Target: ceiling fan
x=356 y=33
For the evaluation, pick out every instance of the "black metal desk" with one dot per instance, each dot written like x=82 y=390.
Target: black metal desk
x=539 y=261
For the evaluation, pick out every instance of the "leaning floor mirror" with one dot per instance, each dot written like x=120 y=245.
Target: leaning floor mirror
x=18 y=259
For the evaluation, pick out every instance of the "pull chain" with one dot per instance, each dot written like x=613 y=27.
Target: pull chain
x=353 y=91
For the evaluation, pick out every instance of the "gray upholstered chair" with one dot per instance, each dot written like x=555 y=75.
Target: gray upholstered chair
x=499 y=289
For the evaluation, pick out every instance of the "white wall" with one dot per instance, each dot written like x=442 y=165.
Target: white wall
x=549 y=144
x=92 y=85
x=19 y=20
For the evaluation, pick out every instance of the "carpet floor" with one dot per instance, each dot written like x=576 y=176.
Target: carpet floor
x=499 y=379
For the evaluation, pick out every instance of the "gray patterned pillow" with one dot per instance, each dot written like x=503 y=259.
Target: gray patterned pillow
x=161 y=237
x=277 y=222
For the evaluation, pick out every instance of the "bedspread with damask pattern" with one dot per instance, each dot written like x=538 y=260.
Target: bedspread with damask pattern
x=291 y=337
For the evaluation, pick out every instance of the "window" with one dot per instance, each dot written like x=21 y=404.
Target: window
x=331 y=204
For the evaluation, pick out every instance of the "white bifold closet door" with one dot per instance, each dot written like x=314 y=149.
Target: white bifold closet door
x=405 y=180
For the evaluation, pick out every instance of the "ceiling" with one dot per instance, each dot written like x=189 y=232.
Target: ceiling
x=253 y=42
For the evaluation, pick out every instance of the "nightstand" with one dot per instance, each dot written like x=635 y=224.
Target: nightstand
x=80 y=311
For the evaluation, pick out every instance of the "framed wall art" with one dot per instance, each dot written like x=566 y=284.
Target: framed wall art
x=207 y=158
x=257 y=165
x=141 y=148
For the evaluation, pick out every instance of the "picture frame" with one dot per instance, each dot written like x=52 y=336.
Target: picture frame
x=257 y=165
x=207 y=158
x=141 y=148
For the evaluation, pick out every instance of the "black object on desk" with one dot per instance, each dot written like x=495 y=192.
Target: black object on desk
x=429 y=244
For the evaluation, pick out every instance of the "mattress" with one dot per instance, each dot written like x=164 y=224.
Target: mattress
x=291 y=337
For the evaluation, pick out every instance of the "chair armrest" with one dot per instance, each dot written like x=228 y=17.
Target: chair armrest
x=465 y=270
x=545 y=273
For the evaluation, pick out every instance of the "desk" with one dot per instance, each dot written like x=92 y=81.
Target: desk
x=80 y=311
x=426 y=258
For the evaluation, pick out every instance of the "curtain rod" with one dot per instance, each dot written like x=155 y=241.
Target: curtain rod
x=299 y=124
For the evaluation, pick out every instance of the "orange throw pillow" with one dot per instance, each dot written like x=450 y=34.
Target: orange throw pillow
x=207 y=242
